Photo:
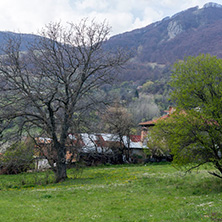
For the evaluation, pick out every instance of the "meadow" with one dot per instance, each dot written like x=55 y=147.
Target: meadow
x=135 y=193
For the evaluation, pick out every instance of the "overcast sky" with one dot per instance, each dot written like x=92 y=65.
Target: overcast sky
x=29 y=16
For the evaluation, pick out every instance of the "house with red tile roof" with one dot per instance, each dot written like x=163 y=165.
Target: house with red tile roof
x=146 y=125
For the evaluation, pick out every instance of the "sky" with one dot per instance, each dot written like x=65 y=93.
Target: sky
x=29 y=16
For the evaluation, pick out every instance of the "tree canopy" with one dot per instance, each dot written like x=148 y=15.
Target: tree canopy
x=193 y=133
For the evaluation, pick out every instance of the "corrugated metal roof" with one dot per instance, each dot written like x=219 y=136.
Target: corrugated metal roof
x=101 y=140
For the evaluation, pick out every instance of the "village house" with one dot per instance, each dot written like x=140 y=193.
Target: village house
x=146 y=125
x=156 y=154
x=94 y=146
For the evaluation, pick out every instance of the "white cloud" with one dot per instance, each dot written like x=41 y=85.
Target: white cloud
x=90 y=5
x=30 y=15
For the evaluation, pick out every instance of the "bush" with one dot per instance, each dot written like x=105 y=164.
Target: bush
x=17 y=158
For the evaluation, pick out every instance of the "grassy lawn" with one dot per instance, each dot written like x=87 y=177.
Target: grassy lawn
x=113 y=193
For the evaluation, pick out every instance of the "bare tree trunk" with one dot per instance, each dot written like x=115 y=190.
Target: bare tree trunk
x=60 y=171
x=60 y=168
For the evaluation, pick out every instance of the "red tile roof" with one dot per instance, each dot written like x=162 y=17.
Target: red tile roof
x=135 y=138
x=152 y=122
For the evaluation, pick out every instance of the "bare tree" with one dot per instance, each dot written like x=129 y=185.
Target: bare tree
x=119 y=122
x=43 y=88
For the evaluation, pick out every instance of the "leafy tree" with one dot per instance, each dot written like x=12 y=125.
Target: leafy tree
x=42 y=89
x=158 y=147
x=147 y=86
x=194 y=131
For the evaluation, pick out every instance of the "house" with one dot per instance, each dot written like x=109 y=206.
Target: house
x=42 y=148
x=156 y=154
x=103 y=143
x=94 y=146
x=146 y=125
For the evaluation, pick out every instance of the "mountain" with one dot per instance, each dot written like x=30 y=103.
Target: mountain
x=25 y=38
x=143 y=85
x=157 y=46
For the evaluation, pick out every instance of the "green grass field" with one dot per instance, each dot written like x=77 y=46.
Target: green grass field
x=113 y=193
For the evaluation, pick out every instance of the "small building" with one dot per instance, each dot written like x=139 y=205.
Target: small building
x=146 y=125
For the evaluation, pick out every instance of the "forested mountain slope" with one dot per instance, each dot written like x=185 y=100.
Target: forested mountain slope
x=154 y=49
x=157 y=46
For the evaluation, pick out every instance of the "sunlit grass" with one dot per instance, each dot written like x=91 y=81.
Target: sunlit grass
x=113 y=193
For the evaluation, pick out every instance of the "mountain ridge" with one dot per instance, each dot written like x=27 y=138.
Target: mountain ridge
x=187 y=33
x=157 y=46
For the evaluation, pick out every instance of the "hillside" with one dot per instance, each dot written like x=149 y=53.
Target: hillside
x=157 y=46
x=25 y=38
x=143 y=83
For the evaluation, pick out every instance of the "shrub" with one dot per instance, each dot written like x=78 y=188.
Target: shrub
x=17 y=158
